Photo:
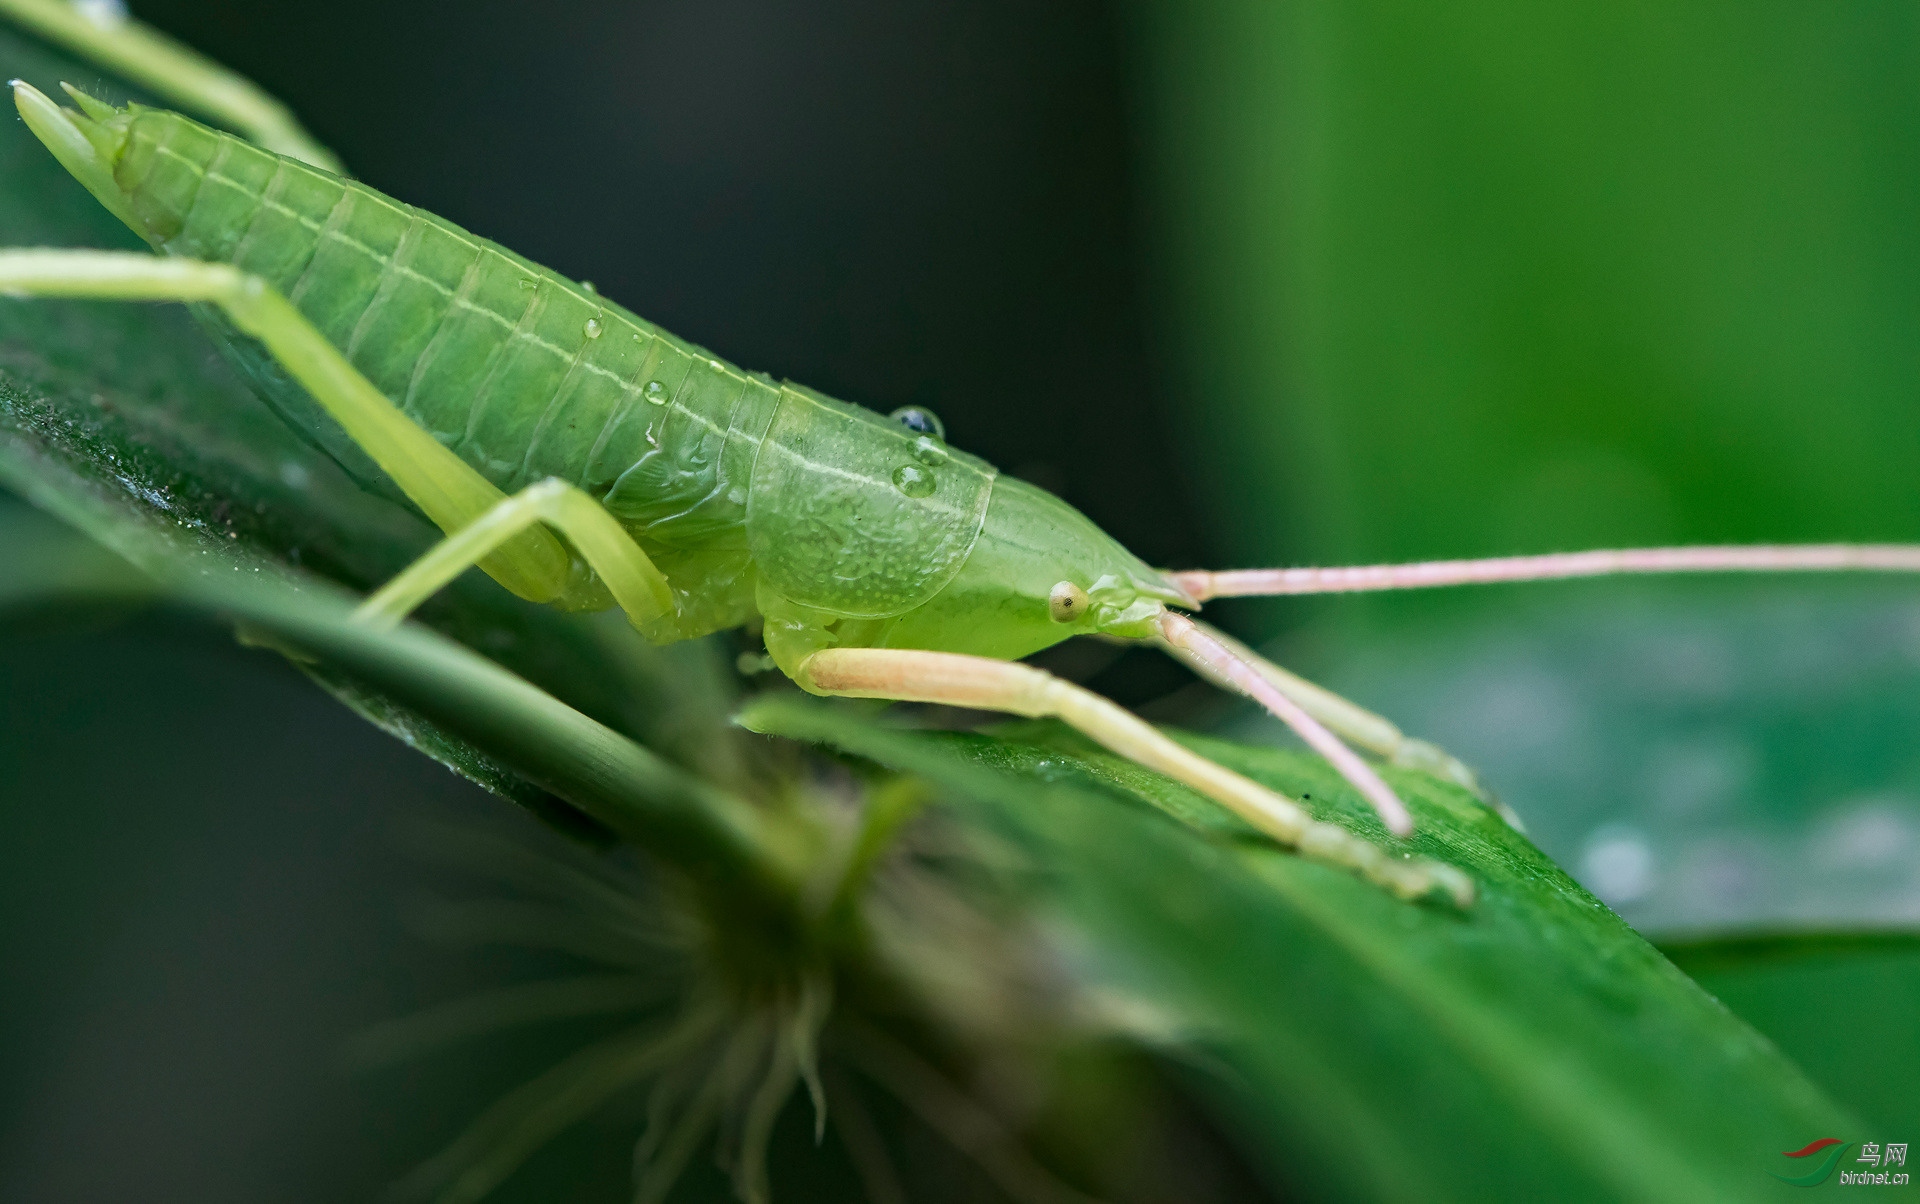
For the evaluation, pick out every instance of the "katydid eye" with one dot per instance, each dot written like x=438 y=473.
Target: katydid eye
x=919 y=421
x=1067 y=602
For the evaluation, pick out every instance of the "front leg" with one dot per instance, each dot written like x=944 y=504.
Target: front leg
x=985 y=684
x=1348 y=720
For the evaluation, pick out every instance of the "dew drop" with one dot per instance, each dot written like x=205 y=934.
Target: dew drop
x=587 y=285
x=929 y=452
x=593 y=328
x=656 y=392
x=737 y=496
x=526 y=283
x=920 y=421
x=913 y=480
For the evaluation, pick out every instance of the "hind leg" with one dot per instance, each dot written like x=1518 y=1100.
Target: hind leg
x=505 y=537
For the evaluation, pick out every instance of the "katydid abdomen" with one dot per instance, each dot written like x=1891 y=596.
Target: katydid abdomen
x=522 y=373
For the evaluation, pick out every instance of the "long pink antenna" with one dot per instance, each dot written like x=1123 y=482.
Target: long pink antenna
x=1752 y=558
x=1219 y=661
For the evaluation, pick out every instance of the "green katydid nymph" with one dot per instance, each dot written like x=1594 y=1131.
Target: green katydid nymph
x=583 y=457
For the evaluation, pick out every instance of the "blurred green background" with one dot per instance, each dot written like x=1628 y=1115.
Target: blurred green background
x=1249 y=283
x=1498 y=277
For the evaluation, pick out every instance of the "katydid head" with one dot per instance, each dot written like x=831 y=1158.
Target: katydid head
x=1039 y=572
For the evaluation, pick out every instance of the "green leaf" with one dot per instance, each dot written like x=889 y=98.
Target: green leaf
x=507 y=723
x=1709 y=761
x=1839 y=1003
x=1365 y=1048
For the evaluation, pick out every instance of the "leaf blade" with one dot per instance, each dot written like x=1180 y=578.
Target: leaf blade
x=1535 y=1036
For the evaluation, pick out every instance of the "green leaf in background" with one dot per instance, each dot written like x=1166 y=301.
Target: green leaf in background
x=1819 y=995
x=1497 y=276
x=1743 y=761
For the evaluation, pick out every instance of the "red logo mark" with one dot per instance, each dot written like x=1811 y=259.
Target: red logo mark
x=1814 y=1148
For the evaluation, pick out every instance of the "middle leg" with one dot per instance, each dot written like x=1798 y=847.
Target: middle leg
x=637 y=586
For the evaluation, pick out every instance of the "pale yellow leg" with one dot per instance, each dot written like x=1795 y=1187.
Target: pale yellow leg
x=1350 y=721
x=992 y=685
x=447 y=489
x=506 y=537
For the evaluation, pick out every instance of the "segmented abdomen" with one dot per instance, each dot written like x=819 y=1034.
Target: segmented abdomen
x=524 y=374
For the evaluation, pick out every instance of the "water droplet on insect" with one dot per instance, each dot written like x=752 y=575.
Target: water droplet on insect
x=920 y=421
x=912 y=480
x=587 y=285
x=656 y=392
x=526 y=283
x=929 y=452
x=737 y=496
x=593 y=328
x=716 y=365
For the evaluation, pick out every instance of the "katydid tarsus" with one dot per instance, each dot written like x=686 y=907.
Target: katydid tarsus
x=584 y=458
